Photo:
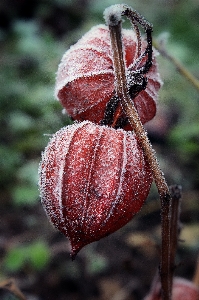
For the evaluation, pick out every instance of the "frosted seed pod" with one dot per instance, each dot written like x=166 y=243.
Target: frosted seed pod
x=85 y=77
x=91 y=182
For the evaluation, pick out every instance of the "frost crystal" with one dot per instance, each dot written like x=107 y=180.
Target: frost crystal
x=112 y=14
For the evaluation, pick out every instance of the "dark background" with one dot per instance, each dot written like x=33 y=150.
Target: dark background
x=33 y=37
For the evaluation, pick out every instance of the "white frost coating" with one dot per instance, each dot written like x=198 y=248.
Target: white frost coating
x=61 y=150
x=155 y=76
x=59 y=186
x=87 y=75
x=89 y=55
x=44 y=182
x=91 y=34
x=120 y=187
x=112 y=14
x=129 y=34
x=151 y=91
x=131 y=137
x=89 y=46
x=85 y=211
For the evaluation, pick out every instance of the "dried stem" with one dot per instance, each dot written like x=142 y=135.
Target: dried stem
x=10 y=285
x=174 y=234
x=180 y=68
x=114 y=22
x=175 y=227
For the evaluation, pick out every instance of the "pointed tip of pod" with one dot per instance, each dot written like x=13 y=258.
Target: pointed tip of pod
x=73 y=255
x=75 y=248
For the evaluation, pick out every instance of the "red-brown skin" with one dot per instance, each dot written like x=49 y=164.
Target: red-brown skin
x=93 y=180
x=182 y=290
x=85 y=77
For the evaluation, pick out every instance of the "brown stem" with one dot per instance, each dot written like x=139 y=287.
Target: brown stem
x=10 y=285
x=130 y=111
x=174 y=234
x=175 y=222
x=180 y=68
x=117 y=114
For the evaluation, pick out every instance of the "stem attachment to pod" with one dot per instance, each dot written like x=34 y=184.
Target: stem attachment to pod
x=112 y=17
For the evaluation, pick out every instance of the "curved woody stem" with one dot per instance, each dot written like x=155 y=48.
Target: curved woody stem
x=113 y=19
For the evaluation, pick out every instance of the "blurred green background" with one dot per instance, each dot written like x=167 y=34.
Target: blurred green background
x=33 y=37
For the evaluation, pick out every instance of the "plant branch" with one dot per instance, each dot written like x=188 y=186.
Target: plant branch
x=10 y=285
x=180 y=68
x=175 y=226
x=114 y=22
x=174 y=234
